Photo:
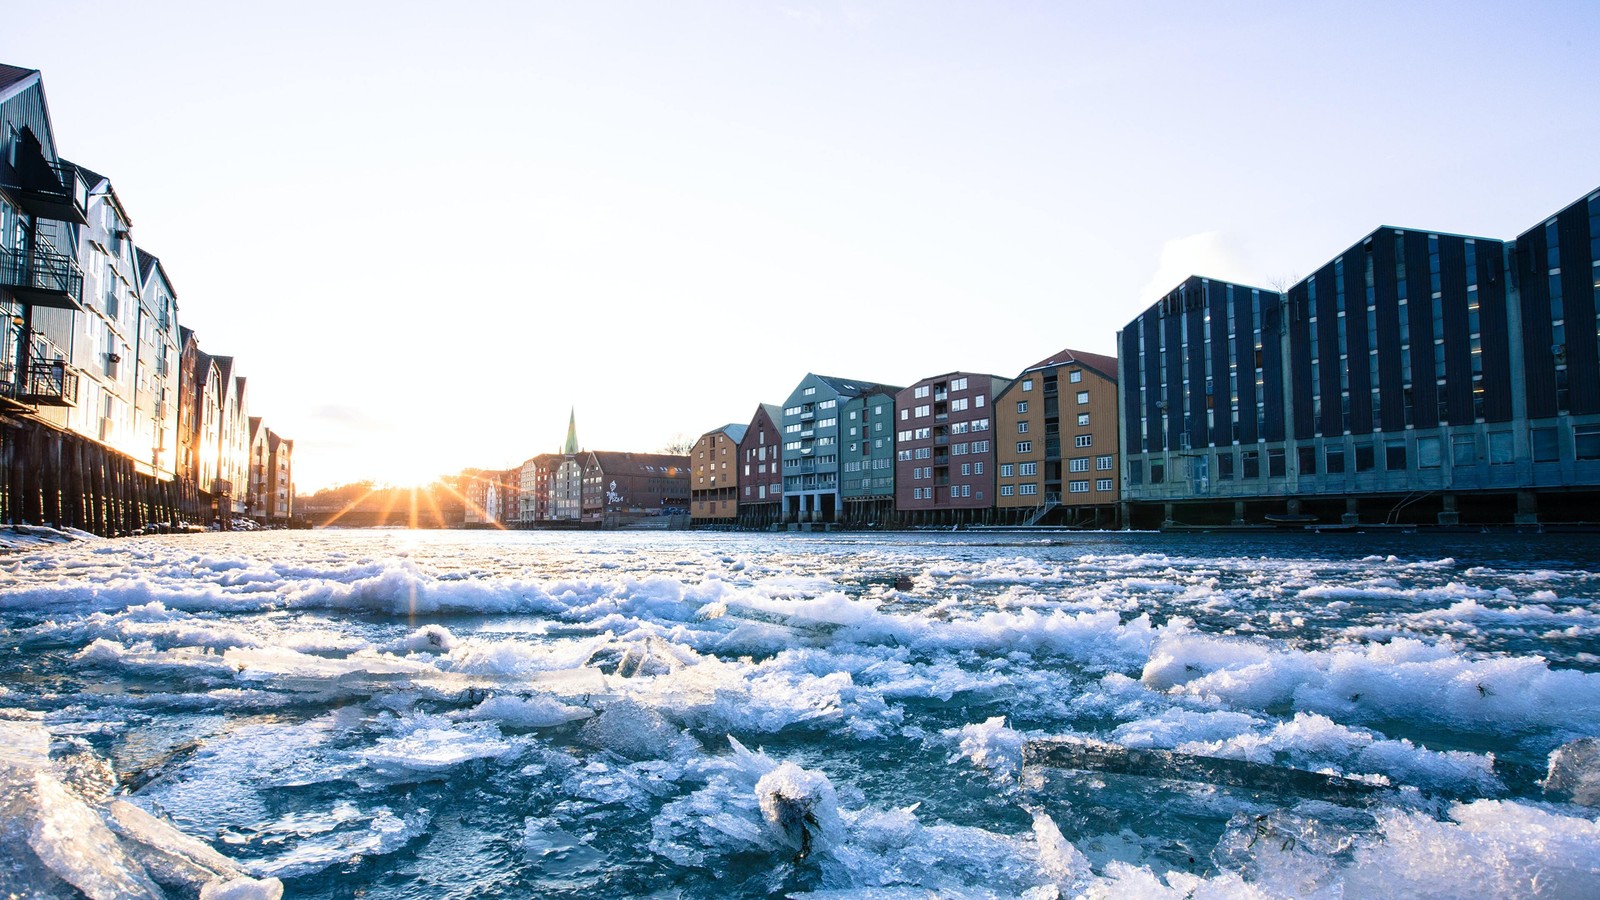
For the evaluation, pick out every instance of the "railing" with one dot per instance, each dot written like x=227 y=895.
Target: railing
x=44 y=278
x=63 y=195
x=46 y=383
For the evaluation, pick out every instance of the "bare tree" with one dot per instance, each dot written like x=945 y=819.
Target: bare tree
x=1282 y=283
x=678 y=445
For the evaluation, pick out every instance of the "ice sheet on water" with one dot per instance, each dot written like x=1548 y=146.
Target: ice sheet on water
x=1313 y=742
x=350 y=834
x=637 y=732
x=533 y=711
x=424 y=745
x=1404 y=679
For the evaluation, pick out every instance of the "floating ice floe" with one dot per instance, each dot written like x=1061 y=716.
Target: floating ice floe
x=55 y=841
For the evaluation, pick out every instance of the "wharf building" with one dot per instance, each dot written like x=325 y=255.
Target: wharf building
x=96 y=429
x=579 y=488
x=269 y=495
x=811 y=448
x=638 y=490
x=866 y=457
x=760 y=469
x=1418 y=377
x=1056 y=443
x=714 y=490
x=944 y=446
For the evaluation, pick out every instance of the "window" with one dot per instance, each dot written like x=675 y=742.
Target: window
x=1104 y=463
x=904 y=414
x=1078 y=464
x=1022 y=428
x=1028 y=468
x=1083 y=419
x=1029 y=488
x=980 y=446
x=958 y=449
x=1102 y=484
x=1083 y=397
x=920 y=392
x=1429 y=453
x=1024 y=446
x=1333 y=459
x=1075 y=376
x=1308 y=460
x=1136 y=471
x=1158 y=472
x=1276 y=463
x=922 y=410
x=1022 y=406
x=958 y=384
x=977 y=468
x=958 y=404
x=1366 y=457
x=1006 y=490
x=1463 y=450
x=978 y=401
x=980 y=424
x=1077 y=487
x=1083 y=440
x=1586 y=441
x=1499 y=448
x=1252 y=464
x=1546 y=445
x=1007 y=470
x=1394 y=456
x=966 y=468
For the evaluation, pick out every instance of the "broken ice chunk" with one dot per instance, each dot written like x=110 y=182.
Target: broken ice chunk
x=1575 y=772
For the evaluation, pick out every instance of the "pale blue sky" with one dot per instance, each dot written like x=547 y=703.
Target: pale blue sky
x=426 y=232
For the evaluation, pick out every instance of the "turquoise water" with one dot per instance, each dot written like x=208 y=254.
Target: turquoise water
x=428 y=714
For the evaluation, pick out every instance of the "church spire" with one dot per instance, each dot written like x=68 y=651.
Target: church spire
x=571 y=449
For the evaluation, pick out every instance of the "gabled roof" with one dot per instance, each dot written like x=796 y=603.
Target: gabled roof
x=1105 y=365
x=14 y=78
x=852 y=386
x=663 y=465
x=734 y=430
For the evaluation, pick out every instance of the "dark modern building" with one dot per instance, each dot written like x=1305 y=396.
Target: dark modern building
x=1416 y=377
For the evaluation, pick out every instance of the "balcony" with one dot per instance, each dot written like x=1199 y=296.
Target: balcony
x=941 y=396
x=50 y=190
x=46 y=384
x=44 y=278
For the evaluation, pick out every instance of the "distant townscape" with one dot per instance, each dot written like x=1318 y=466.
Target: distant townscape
x=1416 y=378
x=112 y=419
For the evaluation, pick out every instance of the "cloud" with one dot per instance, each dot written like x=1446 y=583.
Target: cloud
x=1209 y=254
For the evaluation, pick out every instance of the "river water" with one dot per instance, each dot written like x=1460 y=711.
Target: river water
x=437 y=714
